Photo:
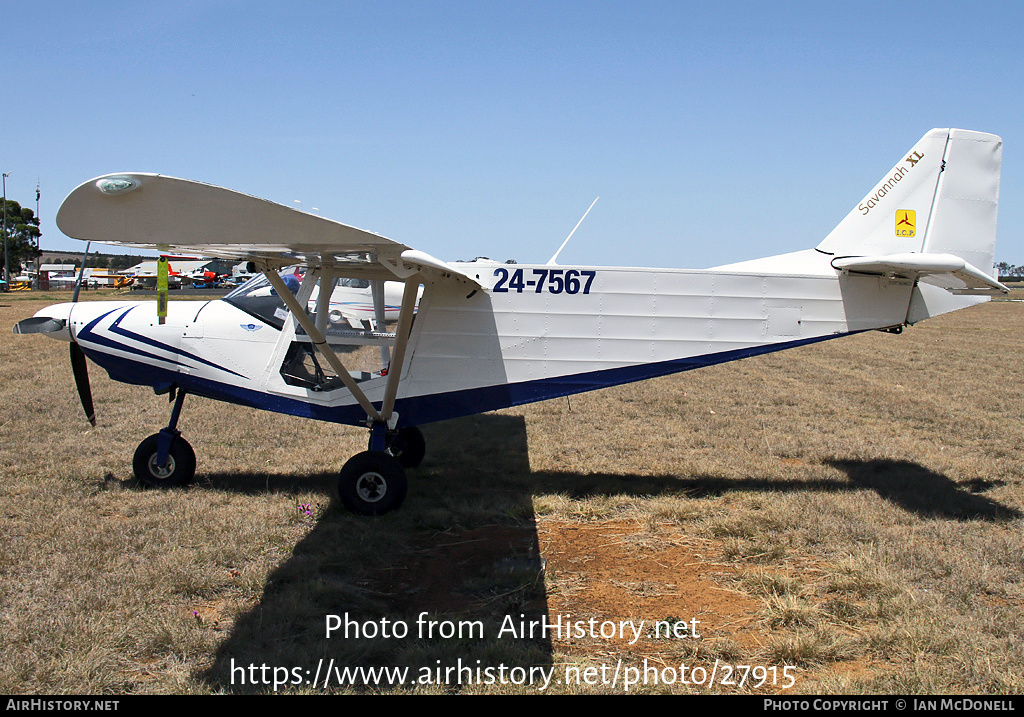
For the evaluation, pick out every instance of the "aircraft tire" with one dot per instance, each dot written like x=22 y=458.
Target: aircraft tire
x=180 y=468
x=372 y=483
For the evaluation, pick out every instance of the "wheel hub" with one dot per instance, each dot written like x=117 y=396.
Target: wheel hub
x=159 y=472
x=371 y=487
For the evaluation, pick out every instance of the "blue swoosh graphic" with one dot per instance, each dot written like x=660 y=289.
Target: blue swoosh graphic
x=92 y=337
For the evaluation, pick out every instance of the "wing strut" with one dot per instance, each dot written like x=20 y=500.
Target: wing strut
x=321 y=342
x=412 y=286
x=323 y=300
x=377 y=290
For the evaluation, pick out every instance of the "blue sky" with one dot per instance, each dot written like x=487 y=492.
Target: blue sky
x=713 y=132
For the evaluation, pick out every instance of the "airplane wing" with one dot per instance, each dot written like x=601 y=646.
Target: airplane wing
x=943 y=270
x=167 y=214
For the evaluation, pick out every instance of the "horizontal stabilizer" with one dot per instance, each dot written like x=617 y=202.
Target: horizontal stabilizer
x=943 y=270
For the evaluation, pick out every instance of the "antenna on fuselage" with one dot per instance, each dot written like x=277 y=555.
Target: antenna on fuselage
x=551 y=261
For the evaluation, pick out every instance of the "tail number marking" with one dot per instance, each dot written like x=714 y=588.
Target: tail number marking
x=555 y=281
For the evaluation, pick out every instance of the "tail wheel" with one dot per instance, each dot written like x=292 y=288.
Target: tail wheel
x=372 y=483
x=179 y=469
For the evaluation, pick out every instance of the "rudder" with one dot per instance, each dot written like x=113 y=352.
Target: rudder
x=967 y=200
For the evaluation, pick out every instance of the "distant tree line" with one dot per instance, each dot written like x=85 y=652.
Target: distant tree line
x=1009 y=270
x=110 y=262
x=22 y=236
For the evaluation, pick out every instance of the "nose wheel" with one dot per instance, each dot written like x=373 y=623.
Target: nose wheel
x=178 y=468
x=165 y=459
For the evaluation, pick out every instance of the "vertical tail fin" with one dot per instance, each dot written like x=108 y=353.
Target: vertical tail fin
x=941 y=198
x=932 y=218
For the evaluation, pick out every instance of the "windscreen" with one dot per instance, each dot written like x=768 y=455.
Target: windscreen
x=258 y=298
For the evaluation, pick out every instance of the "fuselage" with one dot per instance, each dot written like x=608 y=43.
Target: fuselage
x=533 y=333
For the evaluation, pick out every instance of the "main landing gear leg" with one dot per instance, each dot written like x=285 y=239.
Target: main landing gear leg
x=373 y=482
x=165 y=459
x=406 y=444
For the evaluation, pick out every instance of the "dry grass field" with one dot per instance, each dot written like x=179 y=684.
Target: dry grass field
x=841 y=518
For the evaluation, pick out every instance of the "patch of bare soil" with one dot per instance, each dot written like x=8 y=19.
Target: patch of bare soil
x=618 y=570
x=607 y=571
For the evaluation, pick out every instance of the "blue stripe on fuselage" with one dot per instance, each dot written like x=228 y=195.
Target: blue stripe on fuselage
x=419 y=410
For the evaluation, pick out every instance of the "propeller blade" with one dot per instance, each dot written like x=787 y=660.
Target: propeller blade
x=39 y=325
x=81 y=372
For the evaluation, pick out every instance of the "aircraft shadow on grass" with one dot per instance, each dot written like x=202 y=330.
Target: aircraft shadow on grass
x=429 y=589
x=926 y=493
x=423 y=592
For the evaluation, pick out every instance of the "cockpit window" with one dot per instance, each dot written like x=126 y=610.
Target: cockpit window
x=258 y=298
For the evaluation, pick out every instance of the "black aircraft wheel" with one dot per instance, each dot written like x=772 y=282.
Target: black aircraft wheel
x=372 y=483
x=407 y=445
x=180 y=468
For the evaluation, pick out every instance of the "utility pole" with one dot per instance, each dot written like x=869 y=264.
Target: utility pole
x=7 y=265
x=39 y=222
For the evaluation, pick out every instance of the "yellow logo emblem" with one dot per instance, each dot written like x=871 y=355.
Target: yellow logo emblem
x=906 y=222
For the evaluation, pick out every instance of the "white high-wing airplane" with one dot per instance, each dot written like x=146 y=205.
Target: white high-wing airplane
x=489 y=335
